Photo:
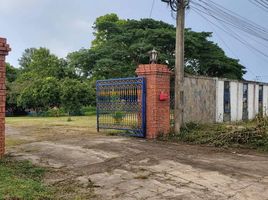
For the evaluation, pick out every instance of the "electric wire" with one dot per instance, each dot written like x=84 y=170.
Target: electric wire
x=200 y=8
x=234 y=25
x=233 y=34
x=227 y=46
x=262 y=3
x=232 y=19
x=152 y=8
x=259 y=6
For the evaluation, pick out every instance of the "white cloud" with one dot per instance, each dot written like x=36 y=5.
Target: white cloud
x=11 y=6
x=81 y=24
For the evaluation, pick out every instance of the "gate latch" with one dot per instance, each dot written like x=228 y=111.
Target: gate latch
x=163 y=96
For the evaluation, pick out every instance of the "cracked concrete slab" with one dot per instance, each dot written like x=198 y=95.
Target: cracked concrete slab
x=130 y=168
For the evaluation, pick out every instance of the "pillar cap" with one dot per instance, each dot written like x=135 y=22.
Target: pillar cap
x=153 y=69
x=4 y=47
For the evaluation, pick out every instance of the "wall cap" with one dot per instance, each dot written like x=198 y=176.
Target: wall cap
x=152 y=69
x=4 y=47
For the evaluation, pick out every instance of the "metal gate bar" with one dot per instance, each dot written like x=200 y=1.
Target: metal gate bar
x=121 y=105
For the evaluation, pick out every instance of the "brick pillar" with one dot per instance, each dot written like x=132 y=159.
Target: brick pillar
x=4 y=49
x=157 y=112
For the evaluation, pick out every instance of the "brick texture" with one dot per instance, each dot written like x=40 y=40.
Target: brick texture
x=4 y=49
x=157 y=112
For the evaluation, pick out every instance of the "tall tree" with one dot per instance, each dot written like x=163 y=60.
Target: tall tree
x=82 y=62
x=41 y=63
x=123 y=44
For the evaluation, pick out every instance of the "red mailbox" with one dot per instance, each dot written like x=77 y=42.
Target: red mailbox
x=163 y=96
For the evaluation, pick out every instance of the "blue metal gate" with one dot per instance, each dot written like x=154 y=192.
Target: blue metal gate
x=121 y=105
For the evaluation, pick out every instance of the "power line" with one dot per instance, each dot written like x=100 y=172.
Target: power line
x=224 y=41
x=231 y=19
x=152 y=8
x=233 y=34
x=238 y=16
x=258 y=5
x=262 y=3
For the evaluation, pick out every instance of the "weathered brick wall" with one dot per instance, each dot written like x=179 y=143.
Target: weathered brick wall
x=4 y=49
x=199 y=100
x=157 y=112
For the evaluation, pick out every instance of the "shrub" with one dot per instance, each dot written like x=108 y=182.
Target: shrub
x=88 y=110
x=55 y=112
x=251 y=134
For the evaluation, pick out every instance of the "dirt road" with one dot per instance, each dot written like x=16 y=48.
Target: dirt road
x=98 y=166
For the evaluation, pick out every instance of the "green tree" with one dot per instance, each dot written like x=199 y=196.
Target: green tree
x=75 y=94
x=204 y=57
x=13 y=91
x=11 y=88
x=40 y=94
x=81 y=63
x=26 y=58
x=120 y=45
x=11 y=72
x=40 y=62
x=105 y=24
x=38 y=86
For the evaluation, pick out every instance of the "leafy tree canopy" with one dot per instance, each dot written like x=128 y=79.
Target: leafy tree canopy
x=81 y=63
x=75 y=94
x=11 y=72
x=41 y=63
x=45 y=81
x=120 y=45
x=41 y=83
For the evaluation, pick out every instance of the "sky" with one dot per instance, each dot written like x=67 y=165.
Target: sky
x=65 y=26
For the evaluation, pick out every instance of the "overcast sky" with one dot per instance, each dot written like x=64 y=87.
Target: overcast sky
x=64 y=26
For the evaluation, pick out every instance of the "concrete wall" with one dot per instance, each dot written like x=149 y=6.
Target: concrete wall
x=236 y=90
x=251 y=106
x=239 y=102
x=234 y=99
x=204 y=99
x=265 y=100
x=199 y=100
x=256 y=99
x=219 y=101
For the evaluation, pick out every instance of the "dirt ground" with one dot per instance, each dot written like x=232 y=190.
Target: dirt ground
x=86 y=165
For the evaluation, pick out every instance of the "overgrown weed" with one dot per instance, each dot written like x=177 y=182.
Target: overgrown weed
x=251 y=134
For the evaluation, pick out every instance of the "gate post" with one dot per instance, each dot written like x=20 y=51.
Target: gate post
x=157 y=111
x=4 y=49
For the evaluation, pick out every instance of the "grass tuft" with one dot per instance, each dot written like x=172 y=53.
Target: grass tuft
x=21 y=180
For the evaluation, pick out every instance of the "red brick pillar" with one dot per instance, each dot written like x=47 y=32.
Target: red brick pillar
x=4 y=49
x=157 y=111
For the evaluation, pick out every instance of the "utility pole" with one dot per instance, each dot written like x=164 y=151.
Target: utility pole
x=179 y=67
x=178 y=6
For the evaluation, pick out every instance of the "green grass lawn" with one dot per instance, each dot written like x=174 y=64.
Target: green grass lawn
x=49 y=128
x=21 y=180
x=81 y=121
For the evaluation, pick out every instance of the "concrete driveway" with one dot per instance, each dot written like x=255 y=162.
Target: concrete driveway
x=114 y=167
